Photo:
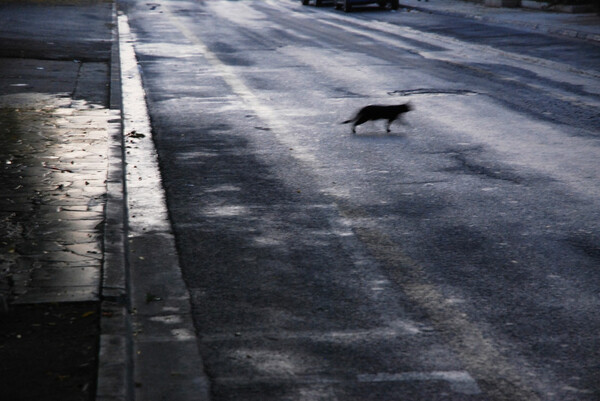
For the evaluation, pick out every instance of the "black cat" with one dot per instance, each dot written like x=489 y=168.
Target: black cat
x=378 y=112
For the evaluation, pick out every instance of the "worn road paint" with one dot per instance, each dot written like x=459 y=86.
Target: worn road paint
x=461 y=382
x=276 y=125
x=480 y=355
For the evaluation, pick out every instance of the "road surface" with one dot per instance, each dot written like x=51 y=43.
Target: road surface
x=455 y=258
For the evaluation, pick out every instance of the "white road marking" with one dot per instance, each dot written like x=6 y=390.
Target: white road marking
x=460 y=381
x=277 y=125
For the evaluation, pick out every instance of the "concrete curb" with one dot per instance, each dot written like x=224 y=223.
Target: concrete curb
x=114 y=358
x=561 y=31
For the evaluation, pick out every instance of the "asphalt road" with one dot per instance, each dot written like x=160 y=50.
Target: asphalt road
x=455 y=258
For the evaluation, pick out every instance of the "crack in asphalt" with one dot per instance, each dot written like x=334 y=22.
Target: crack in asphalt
x=470 y=167
x=433 y=91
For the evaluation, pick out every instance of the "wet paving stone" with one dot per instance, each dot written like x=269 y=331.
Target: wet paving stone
x=53 y=165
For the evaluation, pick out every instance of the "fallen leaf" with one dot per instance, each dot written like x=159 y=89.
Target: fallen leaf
x=136 y=135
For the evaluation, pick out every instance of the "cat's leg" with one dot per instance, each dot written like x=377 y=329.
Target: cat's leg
x=389 y=122
x=360 y=120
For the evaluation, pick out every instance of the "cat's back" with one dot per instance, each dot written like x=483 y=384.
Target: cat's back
x=373 y=110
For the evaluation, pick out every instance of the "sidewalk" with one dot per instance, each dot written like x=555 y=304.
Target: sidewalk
x=581 y=26
x=92 y=303
x=55 y=128
x=62 y=244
